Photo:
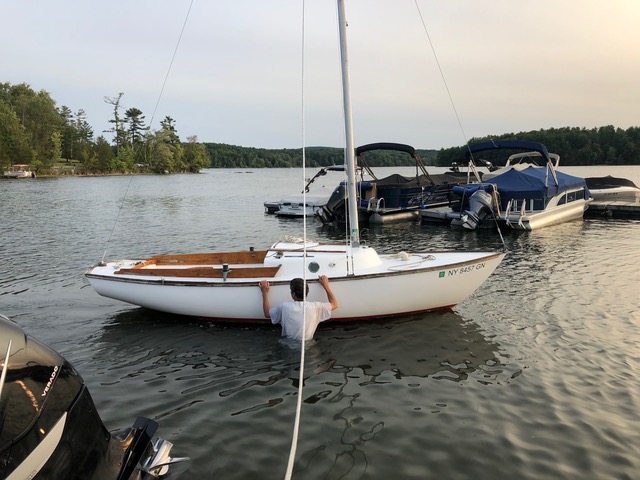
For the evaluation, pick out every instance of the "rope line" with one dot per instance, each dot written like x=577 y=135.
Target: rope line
x=296 y=423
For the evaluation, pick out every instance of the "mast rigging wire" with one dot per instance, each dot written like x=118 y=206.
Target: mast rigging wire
x=173 y=57
x=455 y=110
x=444 y=80
x=446 y=86
x=164 y=83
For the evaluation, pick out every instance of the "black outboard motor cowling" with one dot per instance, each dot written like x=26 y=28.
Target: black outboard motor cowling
x=336 y=208
x=49 y=426
x=480 y=207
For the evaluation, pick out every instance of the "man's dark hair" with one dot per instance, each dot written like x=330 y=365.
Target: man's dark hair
x=297 y=287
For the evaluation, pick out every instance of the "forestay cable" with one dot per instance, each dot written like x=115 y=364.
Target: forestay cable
x=453 y=105
x=444 y=80
x=166 y=77
x=173 y=57
x=446 y=85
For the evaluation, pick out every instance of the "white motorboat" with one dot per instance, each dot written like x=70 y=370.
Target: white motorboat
x=523 y=197
x=19 y=171
x=613 y=189
x=225 y=285
x=306 y=203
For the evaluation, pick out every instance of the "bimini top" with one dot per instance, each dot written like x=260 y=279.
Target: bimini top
x=507 y=144
x=400 y=147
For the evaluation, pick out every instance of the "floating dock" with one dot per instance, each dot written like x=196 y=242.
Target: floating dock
x=614 y=209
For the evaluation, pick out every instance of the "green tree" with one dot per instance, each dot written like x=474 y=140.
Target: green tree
x=118 y=130
x=161 y=157
x=56 y=149
x=195 y=155
x=134 y=118
x=14 y=146
x=37 y=113
x=124 y=161
x=68 y=131
x=103 y=155
x=168 y=125
x=83 y=136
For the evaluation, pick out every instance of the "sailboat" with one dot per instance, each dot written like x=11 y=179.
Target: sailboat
x=224 y=286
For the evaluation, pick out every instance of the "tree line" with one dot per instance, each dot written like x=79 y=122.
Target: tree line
x=231 y=156
x=34 y=131
x=576 y=146
x=606 y=145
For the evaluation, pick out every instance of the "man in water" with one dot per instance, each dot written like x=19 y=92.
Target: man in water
x=290 y=314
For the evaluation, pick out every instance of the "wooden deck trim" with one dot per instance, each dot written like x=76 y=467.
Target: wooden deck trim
x=202 y=272
x=215 y=258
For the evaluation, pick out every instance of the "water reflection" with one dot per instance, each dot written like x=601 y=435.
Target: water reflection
x=367 y=360
x=234 y=380
x=439 y=344
x=443 y=391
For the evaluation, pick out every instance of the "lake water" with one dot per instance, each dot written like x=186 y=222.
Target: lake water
x=533 y=377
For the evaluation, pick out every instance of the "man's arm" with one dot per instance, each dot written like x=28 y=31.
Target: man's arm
x=264 y=288
x=324 y=281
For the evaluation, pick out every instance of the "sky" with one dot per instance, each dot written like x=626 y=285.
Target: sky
x=429 y=73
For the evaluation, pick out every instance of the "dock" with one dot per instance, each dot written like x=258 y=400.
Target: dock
x=614 y=209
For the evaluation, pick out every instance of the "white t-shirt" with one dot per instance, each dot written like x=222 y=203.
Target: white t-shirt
x=290 y=316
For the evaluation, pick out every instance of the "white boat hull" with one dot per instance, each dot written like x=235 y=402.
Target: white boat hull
x=18 y=174
x=534 y=220
x=377 y=286
x=366 y=285
x=299 y=206
x=298 y=210
x=616 y=194
x=531 y=220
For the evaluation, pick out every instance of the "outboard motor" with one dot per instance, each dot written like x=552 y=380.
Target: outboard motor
x=49 y=426
x=335 y=208
x=480 y=206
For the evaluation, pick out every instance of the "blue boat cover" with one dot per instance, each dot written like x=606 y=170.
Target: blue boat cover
x=532 y=183
x=527 y=184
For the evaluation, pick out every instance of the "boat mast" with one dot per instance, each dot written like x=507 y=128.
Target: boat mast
x=348 y=128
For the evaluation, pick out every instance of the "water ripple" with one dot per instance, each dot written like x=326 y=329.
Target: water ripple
x=534 y=376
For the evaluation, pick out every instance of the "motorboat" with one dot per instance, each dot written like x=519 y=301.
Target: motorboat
x=394 y=197
x=613 y=189
x=307 y=202
x=225 y=286
x=49 y=425
x=523 y=197
x=19 y=171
